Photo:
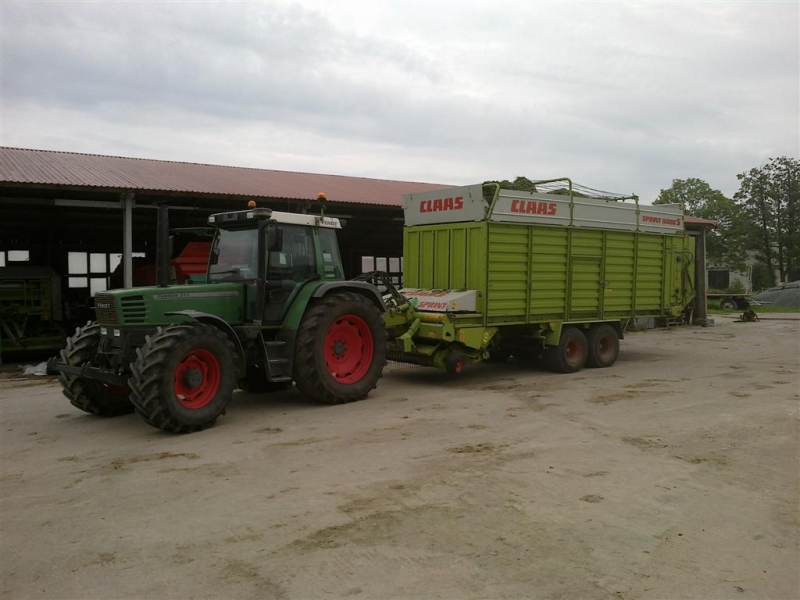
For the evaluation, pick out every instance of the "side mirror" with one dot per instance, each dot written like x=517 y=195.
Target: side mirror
x=274 y=239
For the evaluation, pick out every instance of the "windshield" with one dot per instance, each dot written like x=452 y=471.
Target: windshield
x=233 y=255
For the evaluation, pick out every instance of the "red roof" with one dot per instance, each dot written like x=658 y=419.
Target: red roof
x=48 y=167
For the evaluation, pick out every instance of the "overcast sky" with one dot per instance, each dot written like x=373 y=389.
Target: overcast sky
x=619 y=96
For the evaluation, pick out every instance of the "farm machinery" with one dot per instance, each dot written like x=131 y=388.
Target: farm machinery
x=30 y=311
x=489 y=273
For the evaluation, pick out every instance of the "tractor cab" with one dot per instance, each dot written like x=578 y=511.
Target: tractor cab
x=274 y=254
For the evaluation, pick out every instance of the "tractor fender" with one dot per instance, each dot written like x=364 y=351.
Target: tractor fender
x=359 y=287
x=215 y=321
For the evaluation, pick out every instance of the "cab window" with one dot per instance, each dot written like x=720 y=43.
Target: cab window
x=288 y=269
x=233 y=255
x=295 y=261
x=331 y=261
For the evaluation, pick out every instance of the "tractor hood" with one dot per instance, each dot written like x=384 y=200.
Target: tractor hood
x=149 y=306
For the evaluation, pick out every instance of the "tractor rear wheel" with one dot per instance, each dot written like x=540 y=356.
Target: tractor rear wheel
x=570 y=354
x=603 y=346
x=183 y=377
x=91 y=396
x=340 y=350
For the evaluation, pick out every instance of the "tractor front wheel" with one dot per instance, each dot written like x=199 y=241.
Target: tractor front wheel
x=183 y=377
x=570 y=354
x=341 y=349
x=91 y=396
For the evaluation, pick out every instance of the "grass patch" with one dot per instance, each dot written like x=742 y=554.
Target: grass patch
x=713 y=305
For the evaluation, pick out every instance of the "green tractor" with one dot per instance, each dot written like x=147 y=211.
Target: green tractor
x=275 y=310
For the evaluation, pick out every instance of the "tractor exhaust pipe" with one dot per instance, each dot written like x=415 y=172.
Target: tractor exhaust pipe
x=162 y=246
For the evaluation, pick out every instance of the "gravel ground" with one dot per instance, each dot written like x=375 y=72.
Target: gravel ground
x=674 y=474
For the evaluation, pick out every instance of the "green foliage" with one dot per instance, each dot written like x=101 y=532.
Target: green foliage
x=763 y=276
x=736 y=287
x=522 y=184
x=695 y=195
x=726 y=243
x=769 y=197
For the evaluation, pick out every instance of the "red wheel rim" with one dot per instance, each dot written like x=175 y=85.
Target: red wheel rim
x=197 y=379
x=573 y=351
x=458 y=366
x=348 y=349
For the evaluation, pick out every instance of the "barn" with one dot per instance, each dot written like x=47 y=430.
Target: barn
x=74 y=224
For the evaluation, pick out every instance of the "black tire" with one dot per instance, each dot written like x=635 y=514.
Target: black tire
x=603 y=346
x=91 y=396
x=454 y=363
x=570 y=354
x=340 y=350
x=183 y=377
x=728 y=304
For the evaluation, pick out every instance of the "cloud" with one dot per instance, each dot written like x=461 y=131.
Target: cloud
x=619 y=96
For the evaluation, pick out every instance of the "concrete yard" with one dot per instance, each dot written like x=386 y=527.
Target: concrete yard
x=674 y=474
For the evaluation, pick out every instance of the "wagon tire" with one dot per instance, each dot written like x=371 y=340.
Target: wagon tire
x=570 y=354
x=603 y=346
x=454 y=363
x=340 y=350
x=91 y=396
x=183 y=377
x=728 y=304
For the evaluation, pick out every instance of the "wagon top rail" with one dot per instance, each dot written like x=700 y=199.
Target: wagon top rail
x=559 y=203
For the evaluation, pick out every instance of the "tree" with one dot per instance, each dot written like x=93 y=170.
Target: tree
x=727 y=242
x=769 y=197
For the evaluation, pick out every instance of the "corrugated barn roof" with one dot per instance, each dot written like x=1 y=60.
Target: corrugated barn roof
x=48 y=167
